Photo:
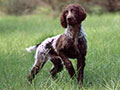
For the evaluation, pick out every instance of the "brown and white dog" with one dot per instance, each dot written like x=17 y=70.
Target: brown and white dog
x=71 y=44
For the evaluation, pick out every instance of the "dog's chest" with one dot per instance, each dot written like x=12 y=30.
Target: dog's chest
x=66 y=45
x=69 y=42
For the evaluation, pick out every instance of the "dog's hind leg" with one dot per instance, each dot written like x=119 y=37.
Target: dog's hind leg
x=35 y=69
x=57 y=66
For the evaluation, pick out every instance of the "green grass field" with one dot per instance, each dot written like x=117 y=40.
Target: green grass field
x=102 y=71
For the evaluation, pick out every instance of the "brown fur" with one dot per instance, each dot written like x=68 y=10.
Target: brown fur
x=80 y=14
x=73 y=47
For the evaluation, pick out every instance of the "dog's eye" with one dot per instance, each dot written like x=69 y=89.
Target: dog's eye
x=66 y=12
x=72 y=11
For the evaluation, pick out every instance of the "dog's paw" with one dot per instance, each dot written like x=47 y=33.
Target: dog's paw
x=29 y=79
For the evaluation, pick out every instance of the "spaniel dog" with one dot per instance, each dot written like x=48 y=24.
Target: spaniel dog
x=58 y=49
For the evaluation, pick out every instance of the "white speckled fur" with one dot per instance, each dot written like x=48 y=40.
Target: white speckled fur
x=70 y=34
x=41 y=48
x=42 y=53
x=83 y=34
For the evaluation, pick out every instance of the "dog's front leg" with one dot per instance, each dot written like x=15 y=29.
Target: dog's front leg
x=35 y=69
x=80 y=69
x=68 y=65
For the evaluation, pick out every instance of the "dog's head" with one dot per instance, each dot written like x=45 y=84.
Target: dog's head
x=72 y=14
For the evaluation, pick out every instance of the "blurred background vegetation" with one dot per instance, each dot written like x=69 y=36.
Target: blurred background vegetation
x=53 y=7
x=36 y=22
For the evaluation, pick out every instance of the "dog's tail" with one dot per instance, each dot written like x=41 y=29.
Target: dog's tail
x=32 y=48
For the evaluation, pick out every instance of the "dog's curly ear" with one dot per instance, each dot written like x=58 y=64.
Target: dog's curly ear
x=82 y=13
x=63 y=20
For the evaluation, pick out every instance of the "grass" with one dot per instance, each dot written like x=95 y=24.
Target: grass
x=102 y=71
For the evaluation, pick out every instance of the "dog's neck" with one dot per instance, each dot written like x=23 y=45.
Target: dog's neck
x=74 y=31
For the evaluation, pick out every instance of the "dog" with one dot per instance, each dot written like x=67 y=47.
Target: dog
x=58 y=49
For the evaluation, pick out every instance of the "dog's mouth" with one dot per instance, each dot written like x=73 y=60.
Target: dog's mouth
x=71 y=22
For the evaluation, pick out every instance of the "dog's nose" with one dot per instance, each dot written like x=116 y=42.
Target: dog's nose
x=69 y=18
